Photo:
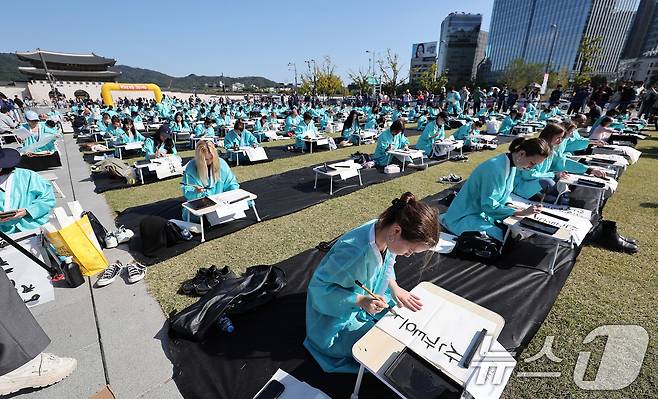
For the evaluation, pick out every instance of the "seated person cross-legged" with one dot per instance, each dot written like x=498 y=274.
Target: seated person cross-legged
x=207 y=174
x=237 y=138
x=480 y=205
x=338 y=313
x=391 y=139
x=161 y=145
x=305 y=129
x=434 y=131
x=26 y=198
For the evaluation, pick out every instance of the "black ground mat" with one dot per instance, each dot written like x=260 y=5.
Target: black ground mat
x=278 y=195
x=270 y=337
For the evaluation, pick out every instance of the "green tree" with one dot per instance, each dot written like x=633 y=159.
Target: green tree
x=520 y=74
x=360 y=81
x=321 y=79
x=558 y=78
x=428 y=80
x=391 y=70
x=589 y=52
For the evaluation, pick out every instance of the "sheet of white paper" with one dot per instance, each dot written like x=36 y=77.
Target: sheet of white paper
x=255 y=154
x=440 y=332
x=295 y=389
x=446 y=243
x=32 y=282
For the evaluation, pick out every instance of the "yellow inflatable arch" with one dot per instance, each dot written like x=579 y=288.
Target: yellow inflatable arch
x=108 y=88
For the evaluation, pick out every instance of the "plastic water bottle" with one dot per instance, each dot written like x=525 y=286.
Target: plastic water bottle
x=225 y=324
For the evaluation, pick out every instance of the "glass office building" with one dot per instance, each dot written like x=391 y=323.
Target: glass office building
x=529 y=28
x=458 y=46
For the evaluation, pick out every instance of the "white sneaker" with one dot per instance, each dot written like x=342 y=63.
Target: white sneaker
x=123 y=234
x=110 y=274
x=136 y=272
x=42 y=371
x=111 y=240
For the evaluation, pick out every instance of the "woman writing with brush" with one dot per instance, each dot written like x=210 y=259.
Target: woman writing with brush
x=336 y=307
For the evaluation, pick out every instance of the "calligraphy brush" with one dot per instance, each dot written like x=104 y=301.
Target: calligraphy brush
x=372 y=294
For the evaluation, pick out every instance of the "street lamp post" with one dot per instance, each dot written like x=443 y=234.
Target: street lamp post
x=292 y=64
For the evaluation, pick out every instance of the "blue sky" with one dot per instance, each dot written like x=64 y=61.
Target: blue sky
x=237 y=38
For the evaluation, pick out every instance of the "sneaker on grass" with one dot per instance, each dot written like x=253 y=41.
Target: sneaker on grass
x=123 y=234
x=136 y=272
x=42 y=371
x=110 y=274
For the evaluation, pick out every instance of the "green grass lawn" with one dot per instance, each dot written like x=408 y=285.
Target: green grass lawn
x=604 y=287
x=138 y=195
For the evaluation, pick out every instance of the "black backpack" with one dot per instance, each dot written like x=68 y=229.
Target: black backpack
x=156 y=233
x=99 y=230
x=479 y=245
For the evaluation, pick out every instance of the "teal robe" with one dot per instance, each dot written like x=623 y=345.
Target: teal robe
x=422 y=121
x=507 y=126
x=526 y=182
x=245 y=139
x=42 y=132
x=482 y=199
x=575 y=142
x=201 y=131
x=333 y=320
x=26 y=189
x=149 y=149
x=431 y=133
x=399 y=141
x=292 y=122
x=226 y=182
x=303 y=130
x=465 y=133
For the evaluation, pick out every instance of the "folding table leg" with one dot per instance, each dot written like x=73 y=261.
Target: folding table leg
x=360 y=182
x=315 y=186
x=253 y=206
x=551 y=269
x=359 y=377
x=203 y=235
x=331 y=185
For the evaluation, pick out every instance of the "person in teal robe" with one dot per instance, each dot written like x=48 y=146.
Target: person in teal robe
x=351 y=129
x=434 y=131
x=468 y=133
x=422 y=121
x=204 y=129
x=481 y=202
x=24 y=191
x=161 y=145
x=338 y=312
x=237 y=138
x=292 y=121
x=207 y=174
x=305 y=129
x=391 y=139
x=40 y=131
x=508 y=123
x=179 y=124
x=454 y=102
x=540 y=180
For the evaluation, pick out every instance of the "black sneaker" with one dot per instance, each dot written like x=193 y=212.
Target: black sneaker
x=205 y=280
x=187 y=288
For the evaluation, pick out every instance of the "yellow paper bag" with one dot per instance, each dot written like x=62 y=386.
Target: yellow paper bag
x=78 y=240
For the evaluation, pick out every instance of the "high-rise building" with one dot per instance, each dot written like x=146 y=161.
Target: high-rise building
x=423 y=56
x=640 y=58
x=460 y=43
x=551 y=32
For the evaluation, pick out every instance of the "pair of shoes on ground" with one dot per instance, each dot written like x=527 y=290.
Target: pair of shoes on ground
x=459 y=158
x=136 y=272
x=206 y=279
x=119 y=236
x=42 y=371
x=451 y=178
